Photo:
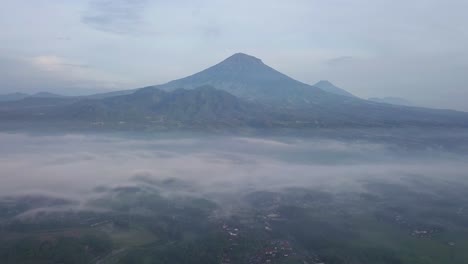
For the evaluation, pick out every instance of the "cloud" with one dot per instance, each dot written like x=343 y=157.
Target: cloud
x=55 y=74
x=64 y=38
x=76 y=164
x=339 y=60
x=67 y=174
x=55 y=63
x=117 y=16
x=211 y=32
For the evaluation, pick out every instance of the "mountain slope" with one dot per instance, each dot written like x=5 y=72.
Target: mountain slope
x=110 y=94
x=200 y=107
x=46 y=95
x=331 y=88
x=206 y=107
x=392 y=100
x=12 y=97
x=20 y=96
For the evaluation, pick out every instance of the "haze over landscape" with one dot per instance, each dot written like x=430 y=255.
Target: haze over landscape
x=299 y=132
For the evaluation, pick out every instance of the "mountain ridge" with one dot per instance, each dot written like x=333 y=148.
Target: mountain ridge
x=391 y=100
x=329 y=87
x=240 y=91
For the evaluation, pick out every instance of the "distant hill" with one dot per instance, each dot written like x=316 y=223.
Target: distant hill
x=12 y=97
x=46 y=95
x=392 y=100
x=109 y=94
x=331 y=88
x=20 y=96
x=204 y=106
x=207 y=108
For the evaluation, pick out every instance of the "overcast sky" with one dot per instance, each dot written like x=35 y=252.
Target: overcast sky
x=413 y=49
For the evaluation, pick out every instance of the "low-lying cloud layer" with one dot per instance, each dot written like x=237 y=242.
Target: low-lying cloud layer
x=155 y=195
x=75 y=165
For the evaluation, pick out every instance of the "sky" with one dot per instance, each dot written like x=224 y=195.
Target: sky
x=372 y=48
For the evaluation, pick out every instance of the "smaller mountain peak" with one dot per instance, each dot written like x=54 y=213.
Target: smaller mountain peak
x=327 y=82
x=329 y=87
x=243 y=58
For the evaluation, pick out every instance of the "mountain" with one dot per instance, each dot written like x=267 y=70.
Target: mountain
x=20 y=96
x=46 y=95
x=203 y=106
x=331 y=88
x=241 y=91
x=391 y=100
x=247 y=77
x=12 y=97
x=110 y=94
x=204 y=103
x=207 y=108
